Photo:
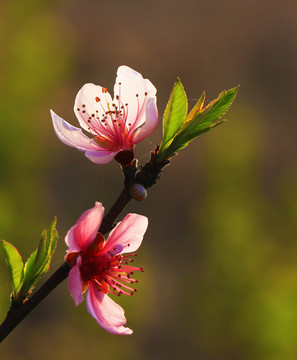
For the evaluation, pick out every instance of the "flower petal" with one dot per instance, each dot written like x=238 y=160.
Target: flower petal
x=149 y=119
x=109 y=315
x=101 y=157
x=135 y=91
x=92 y=100
x=128 y=234
x=75 y=283
x=71 y=135
x=80 y=236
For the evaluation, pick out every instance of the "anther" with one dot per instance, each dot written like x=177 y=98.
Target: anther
x=104 y=90
x=97 y=99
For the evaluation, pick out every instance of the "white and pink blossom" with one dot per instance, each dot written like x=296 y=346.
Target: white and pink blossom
x=100 y=267
x=115 y=125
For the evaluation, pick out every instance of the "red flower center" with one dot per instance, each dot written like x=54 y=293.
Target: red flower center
x=109 y=271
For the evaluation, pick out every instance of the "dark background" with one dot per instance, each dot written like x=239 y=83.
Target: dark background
x=220 y=254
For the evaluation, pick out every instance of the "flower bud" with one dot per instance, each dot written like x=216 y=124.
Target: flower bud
x=138 y=192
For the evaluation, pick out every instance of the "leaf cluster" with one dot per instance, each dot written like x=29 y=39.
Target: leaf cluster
x=25 y=276
x=180 y=128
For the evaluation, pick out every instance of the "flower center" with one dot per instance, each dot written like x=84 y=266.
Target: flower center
x=108 y=120
x=109 y=271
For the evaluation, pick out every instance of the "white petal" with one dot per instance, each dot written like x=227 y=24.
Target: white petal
x=149 y=119
x=131 y=89
x=100 y=157
x=91 y=100
x=71 y=135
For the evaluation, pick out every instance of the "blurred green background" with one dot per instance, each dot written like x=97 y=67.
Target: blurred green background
x=220 y=254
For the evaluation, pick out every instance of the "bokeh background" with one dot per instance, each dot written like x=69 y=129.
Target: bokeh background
x=220 y=254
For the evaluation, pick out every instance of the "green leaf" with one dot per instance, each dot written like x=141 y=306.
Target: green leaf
x=39 y=261
x=198 y=106
x=175 y=113
x=15 y=266
x=202 y=121
x=30 y=276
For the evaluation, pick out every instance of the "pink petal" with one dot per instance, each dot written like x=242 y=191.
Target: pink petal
x=71 y=135
x=101 y=157
x=80 y=236
x=130 y=83
x=128 y=234
x=75 y=283
x=109 y=315
x=149 y=118
x=93 y=99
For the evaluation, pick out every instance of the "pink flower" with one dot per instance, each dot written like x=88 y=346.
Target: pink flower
x=101 y=267
x=115 y=125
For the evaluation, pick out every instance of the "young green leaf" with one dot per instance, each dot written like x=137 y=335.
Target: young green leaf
x=211 y=113
x=39 y=261
x=15 y=266
x=200 y=122
x=175 y=113
x=198 y=106
x=30 y=275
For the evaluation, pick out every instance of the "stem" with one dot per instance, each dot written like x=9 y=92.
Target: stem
x=147 y=176
x=118 y=206
x=16 y=314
